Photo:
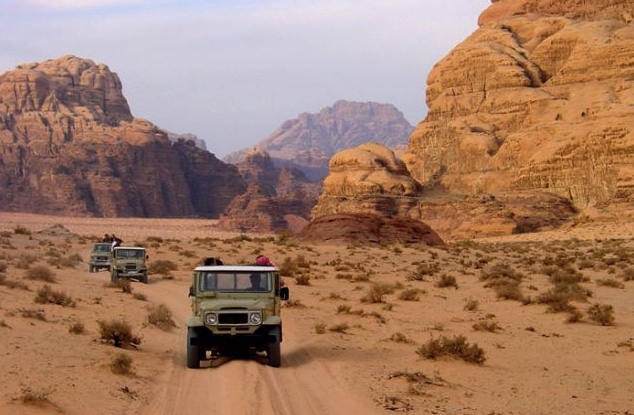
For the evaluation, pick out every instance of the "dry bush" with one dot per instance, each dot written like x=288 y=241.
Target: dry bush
x=40 y=273
x=25 y=261
x=471 y=305
x=121 y=364
x=34 y=397
x=400 y=338
x=628 y=274
x=3 y=266
x=21 y=230
x=46 y=295
x=34 y=314
x=118 y=332
x=70 y=261
x=303 y=278
x=294 y=303
x=457 y=347
x=12 y=284
x=601 y=313
x=423 y=270
x=77 y=328
x=320 y=328
x=446 y=281
x=376 y=292
x=410 y=294
x=507 y=289
x=499 y=271
x=161 y=316
x=486 y=325
x=162 y=267
x=125 y=285
x=610 y=282
x=339 y=328
x=344 y=309
x=139 y=296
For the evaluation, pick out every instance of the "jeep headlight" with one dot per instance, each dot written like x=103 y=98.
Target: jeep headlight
x=211 y=319
x=255 y=318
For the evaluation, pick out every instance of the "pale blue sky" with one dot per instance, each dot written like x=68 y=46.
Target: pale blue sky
x=232 y=71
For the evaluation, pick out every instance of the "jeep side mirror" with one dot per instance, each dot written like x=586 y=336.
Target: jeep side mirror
x=284 y=293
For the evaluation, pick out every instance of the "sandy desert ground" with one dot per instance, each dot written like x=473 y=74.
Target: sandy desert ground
x=548 y=321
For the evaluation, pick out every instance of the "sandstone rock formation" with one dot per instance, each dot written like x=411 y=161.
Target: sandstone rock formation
x=539 y=98
x=368 y=229
x=277 y=199
x=309 y=141
x=69 y=145
x=529 y=123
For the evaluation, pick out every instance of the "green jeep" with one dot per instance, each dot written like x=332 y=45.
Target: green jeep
x=236 y=308
x=99 y=257
x=128 y=262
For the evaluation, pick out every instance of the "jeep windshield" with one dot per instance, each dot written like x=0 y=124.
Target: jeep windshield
x=129 y=253
x=235 y=281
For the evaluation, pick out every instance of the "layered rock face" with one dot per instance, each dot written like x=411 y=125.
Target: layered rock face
x=70 y=146
x=277 y=198
x=540 y=98
x=309 y=141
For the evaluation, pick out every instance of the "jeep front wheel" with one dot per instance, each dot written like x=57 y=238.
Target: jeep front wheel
x=194 y=351
x=273 y=350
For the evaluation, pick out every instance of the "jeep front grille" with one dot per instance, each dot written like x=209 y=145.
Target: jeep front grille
x=233 y=318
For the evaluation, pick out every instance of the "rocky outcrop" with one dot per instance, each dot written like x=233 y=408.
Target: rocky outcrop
x=69 y=145
x=540 y=98
x=368 y=229
x=309 y=141
x=277 y=199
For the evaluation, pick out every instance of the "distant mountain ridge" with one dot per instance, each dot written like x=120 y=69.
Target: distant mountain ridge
x=310 y=140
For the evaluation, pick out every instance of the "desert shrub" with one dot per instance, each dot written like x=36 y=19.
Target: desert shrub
x=320 y=328
x=508 y=289
x=121 y=364
x=376 y=292
x=118 y=332
x=34 y=314
x=162 y=267
x=344 y=309
x=40 y=273
x=628 y=274
x=500 y=270
x=70 y=261
x=610 y=282
x=574 y=316
x=471 y=305
x=400 y=338
x=34 y=397
x=486 y=325
x=77 y=328
x=410 y=294
x=423 y=270
x=339 y=328
x=12 y=284
x=601 y=313
x=3 y=266
x=294 y=303
x=457 y=347
x=125 y=285
x=21 y=230
x=46 y=295
x=161 y=316
x=446 y=281
x=302 y=279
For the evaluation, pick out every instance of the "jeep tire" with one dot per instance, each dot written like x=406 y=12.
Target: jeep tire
x=194 y=351
x=273 y=349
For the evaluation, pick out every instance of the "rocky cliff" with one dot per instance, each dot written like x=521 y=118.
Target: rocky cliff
x=278 y=198
x=70 y=145
x=539 y=98
x=309 y=141
x=529 y=123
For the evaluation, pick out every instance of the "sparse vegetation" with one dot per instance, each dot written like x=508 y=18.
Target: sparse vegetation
x=30 y=396
x=162 y=267
x=118 y=333
x=46 y=295
x=121 y=364
x=457 y=347
x=161 y=316
x=601 y=313
x=40 y=273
